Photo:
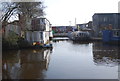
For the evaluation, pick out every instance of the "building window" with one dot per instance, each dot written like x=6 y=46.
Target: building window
x=105 y=19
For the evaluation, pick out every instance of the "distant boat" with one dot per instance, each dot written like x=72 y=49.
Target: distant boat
x=79 y=35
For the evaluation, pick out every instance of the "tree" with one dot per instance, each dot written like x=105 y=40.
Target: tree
x=28 y=10
x=7 y=10
x=25 y=11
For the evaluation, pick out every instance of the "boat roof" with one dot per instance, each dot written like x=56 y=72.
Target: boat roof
x=81 y=31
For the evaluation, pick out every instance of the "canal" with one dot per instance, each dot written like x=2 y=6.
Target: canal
x=66 y=60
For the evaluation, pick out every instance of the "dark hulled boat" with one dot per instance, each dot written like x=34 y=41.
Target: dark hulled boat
x=79 y=35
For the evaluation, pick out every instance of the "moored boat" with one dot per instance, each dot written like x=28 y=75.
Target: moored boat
x=111 y=36
x=79 y=36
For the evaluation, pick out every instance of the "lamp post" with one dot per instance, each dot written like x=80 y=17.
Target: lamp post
x=75 y=21
x=70 y=23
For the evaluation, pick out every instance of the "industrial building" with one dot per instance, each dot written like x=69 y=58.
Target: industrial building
x=102 y=21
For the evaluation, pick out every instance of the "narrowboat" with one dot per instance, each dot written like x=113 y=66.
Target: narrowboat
x=111 y=36
x=79 y=36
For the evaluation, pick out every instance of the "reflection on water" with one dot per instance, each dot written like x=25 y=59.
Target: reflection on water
x=26 y=64
x=58 y=39
x=67 y=60
x=105 y=54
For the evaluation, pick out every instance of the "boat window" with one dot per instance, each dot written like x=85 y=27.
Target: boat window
x=82 y=35
x=79 y=34
x=116 y=33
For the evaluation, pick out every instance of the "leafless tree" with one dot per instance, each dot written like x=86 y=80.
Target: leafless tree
x=25 y=11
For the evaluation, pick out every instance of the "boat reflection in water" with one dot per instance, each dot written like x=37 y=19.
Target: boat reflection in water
x=26 y=64
x=105 y=55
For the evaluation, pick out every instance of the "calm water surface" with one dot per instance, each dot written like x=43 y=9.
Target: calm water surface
x=66 y=60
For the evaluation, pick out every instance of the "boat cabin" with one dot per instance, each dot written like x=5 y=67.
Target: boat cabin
x=111 y=35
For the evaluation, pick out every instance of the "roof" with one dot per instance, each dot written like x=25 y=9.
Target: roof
x=106 y=13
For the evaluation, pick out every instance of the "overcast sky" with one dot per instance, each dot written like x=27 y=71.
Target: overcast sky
x=62 y=12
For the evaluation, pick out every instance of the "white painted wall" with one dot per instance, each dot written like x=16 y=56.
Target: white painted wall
x=47 y=25
x=45 y=36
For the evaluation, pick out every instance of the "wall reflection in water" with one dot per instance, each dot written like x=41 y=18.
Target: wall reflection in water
x=25 y=64
x=105 y=55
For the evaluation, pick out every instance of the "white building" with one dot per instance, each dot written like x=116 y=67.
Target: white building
x=40 y=33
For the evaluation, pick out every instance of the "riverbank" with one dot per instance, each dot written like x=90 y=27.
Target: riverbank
x=22 y=44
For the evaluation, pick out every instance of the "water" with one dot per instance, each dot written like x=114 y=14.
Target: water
x=66 y=60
